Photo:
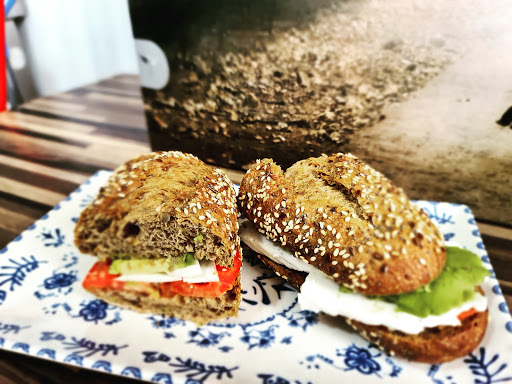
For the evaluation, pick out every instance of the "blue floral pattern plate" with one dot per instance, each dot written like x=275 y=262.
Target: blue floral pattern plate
x=45 y=312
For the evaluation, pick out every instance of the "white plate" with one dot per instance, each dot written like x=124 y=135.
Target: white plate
x=45 y=312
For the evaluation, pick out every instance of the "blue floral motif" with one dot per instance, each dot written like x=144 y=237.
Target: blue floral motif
x=17 y=271
x=154 y=357
x=24 y=347
x=52 y=310
x=3 y=295
x=433 y=371
x=163 y=322
x=88 y=347
x=260 y=339
x=483 y=370
x=103 y=365
x=196 y=372
x=440 y=218
x=395 y=369
x=60 y=280
x=204 y=338
x=448 y=236
x=74 y=359
x=261 y=284
x=361 y=359
x=96 y=310
x=273 y=379
x=164 y=378
x=8 y=328
x=53 y=239
x=131 y=372
x=47 y=336
x=496 y=289
x=46 y=352
x=302 y=319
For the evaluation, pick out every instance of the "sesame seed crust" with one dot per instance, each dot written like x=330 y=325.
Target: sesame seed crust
x=348 y=220
x=155 y=190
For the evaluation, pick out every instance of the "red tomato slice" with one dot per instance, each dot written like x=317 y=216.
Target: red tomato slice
x=226 y=275
x=99 y=277
x=464 y=315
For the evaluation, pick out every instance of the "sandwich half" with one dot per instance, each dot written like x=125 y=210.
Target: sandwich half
x=355 y=246
x=164 y=230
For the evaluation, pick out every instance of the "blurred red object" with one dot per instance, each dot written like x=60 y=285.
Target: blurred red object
x=3 y=78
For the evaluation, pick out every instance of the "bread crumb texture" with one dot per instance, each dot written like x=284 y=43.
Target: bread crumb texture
x=348 y=220
x=200 y=310
x=162 y=205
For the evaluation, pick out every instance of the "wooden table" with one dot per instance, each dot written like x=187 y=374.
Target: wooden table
x=52 y=145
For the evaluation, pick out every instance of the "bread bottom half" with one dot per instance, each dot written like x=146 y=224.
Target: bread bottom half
x=432 y=345
x=200 y=310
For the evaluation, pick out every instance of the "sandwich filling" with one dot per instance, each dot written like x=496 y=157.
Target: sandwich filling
x=159 y=278
x=189 y=269
x=440 y=303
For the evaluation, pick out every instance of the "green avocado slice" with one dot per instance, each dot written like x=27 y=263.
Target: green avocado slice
x=454 y=286
x=147 y=266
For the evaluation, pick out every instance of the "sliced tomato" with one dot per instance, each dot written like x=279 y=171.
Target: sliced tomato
x=226 y=275
x=464 y=315
x=100 y=278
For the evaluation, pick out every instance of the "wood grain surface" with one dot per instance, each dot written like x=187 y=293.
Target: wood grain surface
x=49 y=146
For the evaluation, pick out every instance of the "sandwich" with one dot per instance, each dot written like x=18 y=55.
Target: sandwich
x=355 y=246
x=164 y=230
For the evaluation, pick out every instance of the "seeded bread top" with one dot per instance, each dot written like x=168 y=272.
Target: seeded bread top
x=346 y=219
x=162 y=204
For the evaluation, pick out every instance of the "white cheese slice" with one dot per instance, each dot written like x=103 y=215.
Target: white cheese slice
x=319 y=293
x=203 y=271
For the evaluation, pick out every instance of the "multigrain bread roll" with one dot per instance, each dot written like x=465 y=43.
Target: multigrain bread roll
x=347 y=220
x=164 y=229
x=356 y=246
